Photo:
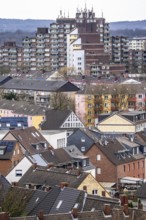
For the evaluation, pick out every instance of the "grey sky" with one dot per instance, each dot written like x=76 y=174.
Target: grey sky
x=113 y=10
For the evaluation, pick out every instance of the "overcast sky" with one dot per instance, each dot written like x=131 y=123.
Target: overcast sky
x=113 y=10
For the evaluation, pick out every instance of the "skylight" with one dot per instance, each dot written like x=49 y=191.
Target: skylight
x=59 y=204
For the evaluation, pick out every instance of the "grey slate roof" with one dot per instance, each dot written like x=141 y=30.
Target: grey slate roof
x=69 y=198
x=53 y=177
x=113 y=150
x=46 y=202
x=28 y=137
x=40 y=85
x=141 y=191
x=8 y=151
x=54 y=119
x=21 y=107
x=4 y=187
x=78 y=135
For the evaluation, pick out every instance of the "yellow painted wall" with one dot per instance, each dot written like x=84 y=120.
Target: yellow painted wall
x=92 y=184
x=116 y=123
x=36 y=120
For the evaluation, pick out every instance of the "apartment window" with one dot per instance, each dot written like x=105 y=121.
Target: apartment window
x=8 y=124
x=98 y=170
x=106 y=104
x=89 y=120
x=105 y=97
x=79 y=58
x=98 y=157
x=133 y=166
x=18 y=172
x=139 y=96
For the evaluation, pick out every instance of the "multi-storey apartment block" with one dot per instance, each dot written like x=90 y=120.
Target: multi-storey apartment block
x=11 y=56
x=36 y=53
x=94 y=100
x=137 y=43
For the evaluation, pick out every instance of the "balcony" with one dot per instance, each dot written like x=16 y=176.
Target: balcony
x=115 y=100
x=131 y=99
x=114 y=108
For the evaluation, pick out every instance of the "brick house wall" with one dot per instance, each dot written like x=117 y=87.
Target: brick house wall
x=7 y=165
x=108 y=169
x=132 y=169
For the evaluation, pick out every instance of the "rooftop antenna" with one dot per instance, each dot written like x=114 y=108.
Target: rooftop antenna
x=85 y=6
x=102 y=14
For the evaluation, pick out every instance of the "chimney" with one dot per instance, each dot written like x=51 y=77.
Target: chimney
x=126 y=209
x=14 y=184
x=107 y=209
x=64 y=184
x=4 y=216
x=41 y=215
x=34 y=166
x=74 y=213
x=85 y=188
x=50 y=165
x=140 y=205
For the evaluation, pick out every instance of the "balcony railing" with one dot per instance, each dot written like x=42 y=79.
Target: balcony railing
x=115 y=100
x=131 y=99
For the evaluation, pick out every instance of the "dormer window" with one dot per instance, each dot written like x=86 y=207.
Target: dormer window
x=2 y=150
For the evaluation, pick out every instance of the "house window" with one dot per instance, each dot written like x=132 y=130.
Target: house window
x=98 y=157
x=124 y=168
x=82 y=139
x=139 y=96
x=18 y=172
x=83 y=148
x=84 y=163
x=98 y=170
x=95 y=192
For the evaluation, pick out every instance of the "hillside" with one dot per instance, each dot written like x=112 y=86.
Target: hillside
x=30 y=25
x=17 y=29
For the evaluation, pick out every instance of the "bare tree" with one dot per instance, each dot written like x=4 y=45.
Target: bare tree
x=61 y=101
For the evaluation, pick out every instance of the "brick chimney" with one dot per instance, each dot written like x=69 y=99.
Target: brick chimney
x=107 y=209
x=74 y=213
x=4 y=216
x=126 y=209
x=85 y=188
x=41 y=215
x=50 y=165
x=63 y=184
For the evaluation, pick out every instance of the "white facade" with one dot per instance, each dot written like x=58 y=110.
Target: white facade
x=137 y=44
x=19 y=170
x=57 y=139
x=75 y=54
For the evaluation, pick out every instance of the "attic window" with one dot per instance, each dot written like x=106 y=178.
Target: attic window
x=59 y=204
x=2 y=150
x=82 y=139
x=83 y=149
x=18 y=172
